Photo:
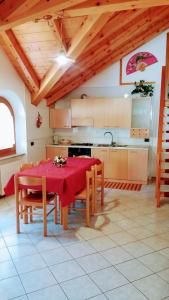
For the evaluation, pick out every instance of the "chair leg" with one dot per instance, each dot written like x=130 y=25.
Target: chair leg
x=102 y=196
x=17 y=219
x=65 y=217
x=44 y=221
x=31 y=216
x=25 y=215
x=55 y=210
x=87 y=212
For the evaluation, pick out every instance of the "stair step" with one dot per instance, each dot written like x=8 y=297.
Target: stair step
x=164 y=188
x=167 y=103
x=165 y=166
x=164 y=176
x=165 y=136
x=164 y=155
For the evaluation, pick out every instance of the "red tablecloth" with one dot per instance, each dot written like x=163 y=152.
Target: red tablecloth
x=66 y=181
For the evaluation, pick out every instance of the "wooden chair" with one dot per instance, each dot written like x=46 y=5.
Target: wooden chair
x=99 y=183
x=87 y=195
x=44 y=161
x=24 y=201
x=26 y=166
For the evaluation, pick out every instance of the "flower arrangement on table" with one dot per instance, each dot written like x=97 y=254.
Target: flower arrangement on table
x=59 y=161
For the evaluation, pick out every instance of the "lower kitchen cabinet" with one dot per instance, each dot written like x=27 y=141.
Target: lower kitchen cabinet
x=103 y=155
x=138 y=164
x=118 y=164
x=51 y=152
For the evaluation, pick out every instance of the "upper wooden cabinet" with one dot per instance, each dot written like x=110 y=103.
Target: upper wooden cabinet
x=59 y=118
x=118 y=113
x=82 y=112
x=102 y=112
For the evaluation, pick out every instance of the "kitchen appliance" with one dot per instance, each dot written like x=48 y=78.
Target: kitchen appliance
x=78 y=151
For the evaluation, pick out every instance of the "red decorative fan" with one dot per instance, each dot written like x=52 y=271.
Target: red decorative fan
x=140 y=61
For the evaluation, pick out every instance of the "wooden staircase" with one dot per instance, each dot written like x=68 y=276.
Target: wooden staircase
x=162 y=171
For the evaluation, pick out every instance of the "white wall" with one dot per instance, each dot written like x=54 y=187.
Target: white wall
x=106 y=84
x=13 y=89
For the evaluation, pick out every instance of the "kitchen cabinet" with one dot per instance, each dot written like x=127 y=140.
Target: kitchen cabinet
x=138 y=165
x=53 y=151
x=59 y=118
x=103 y=155
x=118 y=164
x=99 y=112
x=82 y=113
x=118 y=113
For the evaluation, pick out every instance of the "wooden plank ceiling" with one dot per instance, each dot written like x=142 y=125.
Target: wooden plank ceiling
x=95 y=33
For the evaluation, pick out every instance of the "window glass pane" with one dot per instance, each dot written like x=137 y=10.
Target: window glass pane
x=7 y=137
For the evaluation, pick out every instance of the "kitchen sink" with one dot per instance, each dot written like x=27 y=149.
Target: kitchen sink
x=108 y=145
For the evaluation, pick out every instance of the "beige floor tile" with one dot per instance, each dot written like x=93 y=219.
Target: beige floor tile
x=22 y=250
x=89 y=233
x=11 y=288
x=55 y=256
x=36 y=280
x=102 y=243
x=140 y=232
x=22 y=298
x=153 y=287
x=155 y=261
x=15 y=239
x=80 y=288
x=7 y=269
x=29 y=263
x=164 y=252
x=137 y=248
x=4 y=255
x=2 y=243
x=93 y=262
x=80 y=249
x=68 y=238
x=115 y=216
x=47 y=243
x=127 y=224
x=116 y=255
x=110 y=228
x=164 y=275
x=122 y=237
x=99 y=297
x=108 y=279
x=52 y=293
x=67 y=270
x=126 y=292
x=156 y=243
x=133 y=270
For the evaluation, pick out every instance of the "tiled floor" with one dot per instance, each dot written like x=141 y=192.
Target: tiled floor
x=124 y=256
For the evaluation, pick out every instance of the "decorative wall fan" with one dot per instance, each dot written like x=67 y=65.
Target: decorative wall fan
x=139 y=62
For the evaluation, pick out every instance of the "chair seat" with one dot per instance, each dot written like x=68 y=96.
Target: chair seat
x=82 y=194
x=37 y=197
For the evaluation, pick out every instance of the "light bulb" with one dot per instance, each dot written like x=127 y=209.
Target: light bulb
x=62 y=59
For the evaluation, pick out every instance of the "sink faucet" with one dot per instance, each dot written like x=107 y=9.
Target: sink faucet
x=111 y=136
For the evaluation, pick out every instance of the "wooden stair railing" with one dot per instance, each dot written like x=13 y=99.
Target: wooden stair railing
x=162 y=153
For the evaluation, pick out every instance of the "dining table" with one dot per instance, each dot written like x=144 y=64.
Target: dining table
x=66 y=181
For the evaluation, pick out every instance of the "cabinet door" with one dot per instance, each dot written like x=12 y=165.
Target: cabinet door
x=138 y=164
x=99 y=112
x=118 y=164
x=118 y=113
x=82 y=112
x=103 y=155
x=53 y=151
x=59 y=118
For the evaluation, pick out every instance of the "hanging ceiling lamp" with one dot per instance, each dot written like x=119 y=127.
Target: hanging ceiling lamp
x=62 y=58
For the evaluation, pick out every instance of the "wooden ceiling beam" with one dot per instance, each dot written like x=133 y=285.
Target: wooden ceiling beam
x=18 y=49
x=12 y=8
x=104 y=61
x=113 y=41
x=92 y=7
x=83 y=37
x=17 y=62
x=59 y=33
x=38 y=11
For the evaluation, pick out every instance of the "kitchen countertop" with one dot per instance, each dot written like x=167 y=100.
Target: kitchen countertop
x=146 y=147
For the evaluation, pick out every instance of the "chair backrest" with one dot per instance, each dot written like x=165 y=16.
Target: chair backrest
x=43 y=161
x=90 y=181
x=26 y=182
x=26 y=166
x=99 y=171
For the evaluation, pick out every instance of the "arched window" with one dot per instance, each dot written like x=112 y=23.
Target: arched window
x=7 y=129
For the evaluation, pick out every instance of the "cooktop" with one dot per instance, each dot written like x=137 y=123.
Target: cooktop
x=81 y=144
